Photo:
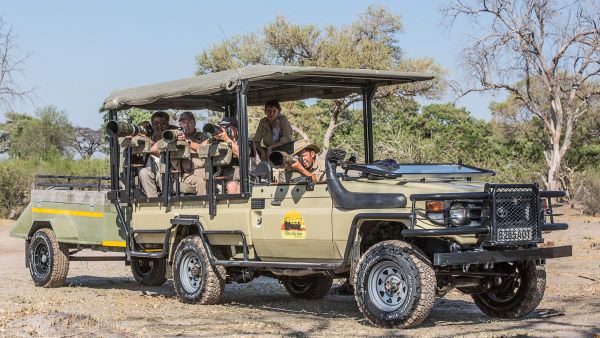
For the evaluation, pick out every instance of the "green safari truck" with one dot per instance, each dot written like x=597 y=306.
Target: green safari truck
x=399 y=234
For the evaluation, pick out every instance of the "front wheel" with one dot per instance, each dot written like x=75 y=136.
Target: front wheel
x=518 y=294
x=395 y=285
x=48 y=259
x=308 y=287
x=150 y=272
x=194 y=278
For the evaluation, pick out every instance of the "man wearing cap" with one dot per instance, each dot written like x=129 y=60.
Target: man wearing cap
x=192 y=169
x=308 y=162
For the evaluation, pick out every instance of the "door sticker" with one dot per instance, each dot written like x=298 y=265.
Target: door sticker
x=292 y=226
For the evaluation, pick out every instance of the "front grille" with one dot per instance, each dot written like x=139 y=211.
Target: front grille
x=515 y=214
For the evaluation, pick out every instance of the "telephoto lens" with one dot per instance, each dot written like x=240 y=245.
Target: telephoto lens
x=211 y=129
x=171 y=135
x=123 y=129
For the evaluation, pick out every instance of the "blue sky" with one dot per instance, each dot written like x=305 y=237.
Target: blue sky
x=81 y=50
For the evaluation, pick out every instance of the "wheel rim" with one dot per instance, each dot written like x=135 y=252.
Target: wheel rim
x=510 y=288
x=190 y=272
x=144 y=267
x=388 y=286
x=41 y=259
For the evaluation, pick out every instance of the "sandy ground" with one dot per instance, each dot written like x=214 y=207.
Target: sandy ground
x=101 y=299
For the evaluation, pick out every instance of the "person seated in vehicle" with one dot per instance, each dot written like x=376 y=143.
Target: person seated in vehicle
x=304 y=162
x=192 y=173
x=149 y=176
x=274 y=131
x=231 y=172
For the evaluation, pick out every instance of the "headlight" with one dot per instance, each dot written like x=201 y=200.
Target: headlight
x=458 y=214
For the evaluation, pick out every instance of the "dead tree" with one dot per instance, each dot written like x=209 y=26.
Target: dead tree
x=10 y=65
x=545 y=53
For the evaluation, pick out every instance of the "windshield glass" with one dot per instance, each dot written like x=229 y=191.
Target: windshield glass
x=398 y=170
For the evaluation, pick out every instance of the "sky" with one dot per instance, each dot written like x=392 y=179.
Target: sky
x=82 y=50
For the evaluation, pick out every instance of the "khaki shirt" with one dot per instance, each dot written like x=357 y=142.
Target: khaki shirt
x=281 y=131
x=285 y=176
x=195 y=163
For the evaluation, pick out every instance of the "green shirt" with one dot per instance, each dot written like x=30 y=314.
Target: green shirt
x=281 y=131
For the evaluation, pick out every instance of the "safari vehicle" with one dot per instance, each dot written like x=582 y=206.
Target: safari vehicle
x=401 y=234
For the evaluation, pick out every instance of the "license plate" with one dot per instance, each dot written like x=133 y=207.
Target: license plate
x=514 y=234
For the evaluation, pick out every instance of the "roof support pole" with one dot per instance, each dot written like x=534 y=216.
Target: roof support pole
x=113 y=155
x=242 y=116
x=367 y=98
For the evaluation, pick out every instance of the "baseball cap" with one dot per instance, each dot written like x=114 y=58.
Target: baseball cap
x=228 y=121
x=186 y=115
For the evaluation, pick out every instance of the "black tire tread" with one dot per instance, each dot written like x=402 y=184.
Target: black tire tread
x=427 y=286
x=532 y=297
x=320 y=287
x=157 y=277
x=214 y=285
x=60 y=261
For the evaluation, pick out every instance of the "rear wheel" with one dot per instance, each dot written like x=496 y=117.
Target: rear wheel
x=48 y=259
x=395 y=285
x=308 y=287
x=194 y=278
x=150 y=272
x=518 y=295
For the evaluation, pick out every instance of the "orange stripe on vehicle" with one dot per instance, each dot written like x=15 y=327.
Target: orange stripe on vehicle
x=68 y=212
x=113 y=243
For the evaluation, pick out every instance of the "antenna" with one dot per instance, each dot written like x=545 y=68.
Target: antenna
x=227 y=38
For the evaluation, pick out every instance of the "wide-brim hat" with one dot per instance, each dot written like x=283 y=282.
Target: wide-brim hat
x=300 y=145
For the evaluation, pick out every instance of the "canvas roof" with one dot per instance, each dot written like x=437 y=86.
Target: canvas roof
x=284 y=83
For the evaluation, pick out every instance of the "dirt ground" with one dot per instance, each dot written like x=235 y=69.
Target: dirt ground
x=101 y=299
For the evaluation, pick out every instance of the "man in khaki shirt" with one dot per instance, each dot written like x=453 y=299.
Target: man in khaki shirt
x=308 y=163
x=192 y=169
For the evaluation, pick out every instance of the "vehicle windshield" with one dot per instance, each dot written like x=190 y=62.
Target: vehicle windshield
x=392 y=169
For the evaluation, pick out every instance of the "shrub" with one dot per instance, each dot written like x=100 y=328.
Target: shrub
x=15 y=185
x=587 y=190
x=17 y=177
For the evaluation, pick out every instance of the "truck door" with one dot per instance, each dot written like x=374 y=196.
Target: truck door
x=294 y=223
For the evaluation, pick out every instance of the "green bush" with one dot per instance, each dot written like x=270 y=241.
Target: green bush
x=17 y=178
x=587 y=190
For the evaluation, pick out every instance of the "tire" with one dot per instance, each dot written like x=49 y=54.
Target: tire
x=149 y=272
x=48 y=259
x=515 y=297
x=395 y=285
x=308 y=287
x=194 y=278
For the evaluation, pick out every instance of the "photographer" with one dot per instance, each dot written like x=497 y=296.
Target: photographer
x=228 y=132
x=305 y=162
x=149 y=175
x=192 y=169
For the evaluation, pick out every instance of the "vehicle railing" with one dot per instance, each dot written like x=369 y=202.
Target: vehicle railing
x=72 y=182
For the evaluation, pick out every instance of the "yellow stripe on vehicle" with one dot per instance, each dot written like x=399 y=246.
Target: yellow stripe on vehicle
x=113 y=243
x=68 y=212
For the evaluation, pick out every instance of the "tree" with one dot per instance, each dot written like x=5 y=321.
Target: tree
x=46 y=135
x=545 y=53
x=10 y=65
x=369 y=42
x=88 y=141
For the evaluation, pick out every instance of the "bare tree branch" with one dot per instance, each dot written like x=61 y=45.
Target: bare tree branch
x=546 y=54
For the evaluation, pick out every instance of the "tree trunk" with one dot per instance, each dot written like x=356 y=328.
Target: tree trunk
x=333 y=123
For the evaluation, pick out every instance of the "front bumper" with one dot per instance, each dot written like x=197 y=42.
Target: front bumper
x=482 y=257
